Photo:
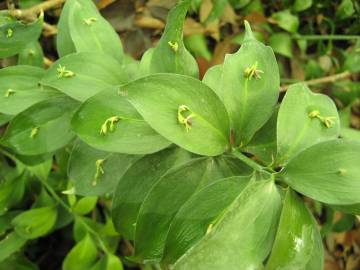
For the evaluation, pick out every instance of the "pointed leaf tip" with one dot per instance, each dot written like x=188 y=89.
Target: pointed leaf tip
x=248 y=32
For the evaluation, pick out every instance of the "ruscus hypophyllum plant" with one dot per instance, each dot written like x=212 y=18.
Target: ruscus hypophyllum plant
x=204 y=174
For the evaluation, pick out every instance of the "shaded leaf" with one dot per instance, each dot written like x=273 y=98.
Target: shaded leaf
x=136 y=183
x=96 y=172
x=193 y=219
x=10 y=244
x=31 y=55
x=256 y=211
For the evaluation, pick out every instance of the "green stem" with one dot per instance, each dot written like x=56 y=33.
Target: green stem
x=77 y=217
x=326 y=37
x=248 y=161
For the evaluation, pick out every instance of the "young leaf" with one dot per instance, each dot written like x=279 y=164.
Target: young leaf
x=85 y=205
x=82 y=75
x=15 y=35
x=328 y=172
x=108 y=262
x=286 y=20
x=96 y=172
x=31 y=55
x=199 y=214
x=243 y=237
x=295 y=241
x=82 y=256
x=183 y=110
x=19 y=88
x=42 y=128
x=136 y=183
x=170 y=55
x=250 y=86
x=10 y=244
x=165 y=199
x=281 y=43
x=35 y=222
x=304 y=119
x=90 y=32
x=108 y=122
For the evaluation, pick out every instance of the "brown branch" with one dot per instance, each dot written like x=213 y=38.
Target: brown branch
x=327 y=79
x=31 y=13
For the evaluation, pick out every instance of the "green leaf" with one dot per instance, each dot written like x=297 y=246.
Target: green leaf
x=95 y=172
x=11 y=193
x=285 y=20
x=263 y=144
x=249 y=99
x=136 y=183
x=301 y=5
x=64 y=43
x=82 y=75
x=10 y=244
x=35 y=222
x=108 y=122
x=197 y=45
x=15 y=35
x=168 y=195
x=281 y=44
x=31 y=55
x=243 y=236
x=90 y=32
x=41 y=170
x=170 y=54
x=85 y=205
x=18 y=262
x=42 y=128
x=295 y=241
x=108 y=262
x=4 y=118
x=217 y=10
x=82 y=256
x=298 y=126
x=345 y=9
x=19 y=88
x=212 y=78
x=5 y=221
x=328 y=172
x=183 y=110
x=353 y=209
x=198 y=213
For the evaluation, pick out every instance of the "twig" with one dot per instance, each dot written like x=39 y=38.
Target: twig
x=327 y=79
x=49 y=29
x=31 y=13
x=48 y=62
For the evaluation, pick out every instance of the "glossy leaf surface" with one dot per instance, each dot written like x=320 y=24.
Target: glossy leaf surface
x=243 y=237
x=194 y=218
x=295 y=241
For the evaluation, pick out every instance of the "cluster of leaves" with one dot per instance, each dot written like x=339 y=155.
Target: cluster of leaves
x=202 y=174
